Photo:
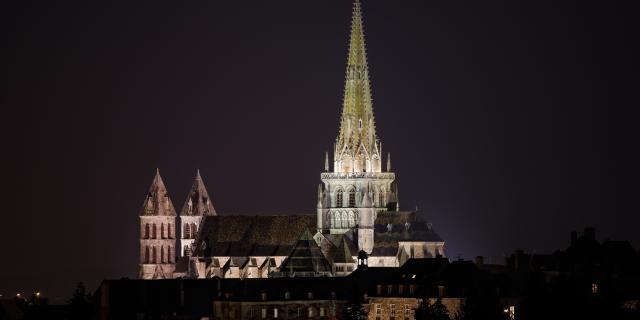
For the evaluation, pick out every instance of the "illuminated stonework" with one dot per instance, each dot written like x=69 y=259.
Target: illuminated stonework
x=352 y=195
x=357 y=215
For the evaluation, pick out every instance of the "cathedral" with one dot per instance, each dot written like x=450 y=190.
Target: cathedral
x=358 y=221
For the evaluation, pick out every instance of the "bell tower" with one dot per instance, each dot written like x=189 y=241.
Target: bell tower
x=352 y=194
x=157 y=233
x=197 y=205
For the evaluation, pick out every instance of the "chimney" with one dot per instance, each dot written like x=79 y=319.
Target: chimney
x=590 y=233
x=574 y=237
x=479 y=261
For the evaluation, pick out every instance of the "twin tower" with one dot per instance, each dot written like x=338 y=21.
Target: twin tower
x=350 y=197
x=161 y=243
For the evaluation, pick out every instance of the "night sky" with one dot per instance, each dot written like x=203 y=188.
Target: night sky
x=509 y=123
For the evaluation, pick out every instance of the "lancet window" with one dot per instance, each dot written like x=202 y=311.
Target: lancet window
x=146 y=254
x=187 y=231
x=352 y=198
x=194 y=230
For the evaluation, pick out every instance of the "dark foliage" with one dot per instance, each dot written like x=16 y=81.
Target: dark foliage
x=80 y=304
x=435 y=311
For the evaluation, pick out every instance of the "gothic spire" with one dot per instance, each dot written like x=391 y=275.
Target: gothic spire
x=158 y=202
x=357 y=124
x=198 y=202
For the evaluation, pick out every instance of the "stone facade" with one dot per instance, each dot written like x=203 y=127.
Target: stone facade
x=357 y=210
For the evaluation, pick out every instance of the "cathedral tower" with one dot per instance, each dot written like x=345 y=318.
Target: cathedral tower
x=157 y=233
x=351 y=195
x=197 y=205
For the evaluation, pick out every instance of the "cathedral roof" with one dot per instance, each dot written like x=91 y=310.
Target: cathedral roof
x=198 y=202
x=342 y=253
x=306 y=257
x=157 y=202
x=251 y=235
x=393 y=227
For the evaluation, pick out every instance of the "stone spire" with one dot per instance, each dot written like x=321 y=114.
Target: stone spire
x=198 y=202
x=158 y=202
x=357 y=137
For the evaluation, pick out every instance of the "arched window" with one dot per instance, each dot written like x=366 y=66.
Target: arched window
x=146 y=254
x=345 y=220
x=146 y=231
x=352 y=198
x=155 y=231
x=162 y=231
x=339 y=202
x=169 y=231
x=169 y=255
x=194 y=231
x=187 y=231
x=352 y=220
x=162 y=254
x=154 y=257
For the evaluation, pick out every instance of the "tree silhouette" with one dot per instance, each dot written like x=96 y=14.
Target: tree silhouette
x=435 y=311
x=79 y=304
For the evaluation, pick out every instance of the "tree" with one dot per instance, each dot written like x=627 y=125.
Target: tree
x=353 y=310
x=79 y=305
x=440 y=311
x=435 y=311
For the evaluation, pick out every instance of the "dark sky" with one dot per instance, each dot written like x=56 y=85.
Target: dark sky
x=508 y=122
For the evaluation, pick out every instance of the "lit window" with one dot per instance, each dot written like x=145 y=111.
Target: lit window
x=378 y=309
x=392 y=309
x=407 y=311
x=322 y=311
x=264 y=313
x=310 y=312
x=594 y=288
x=263 y=296
x=275 y=312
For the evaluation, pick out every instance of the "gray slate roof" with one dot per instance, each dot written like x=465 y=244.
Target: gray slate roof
x=239 y=236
